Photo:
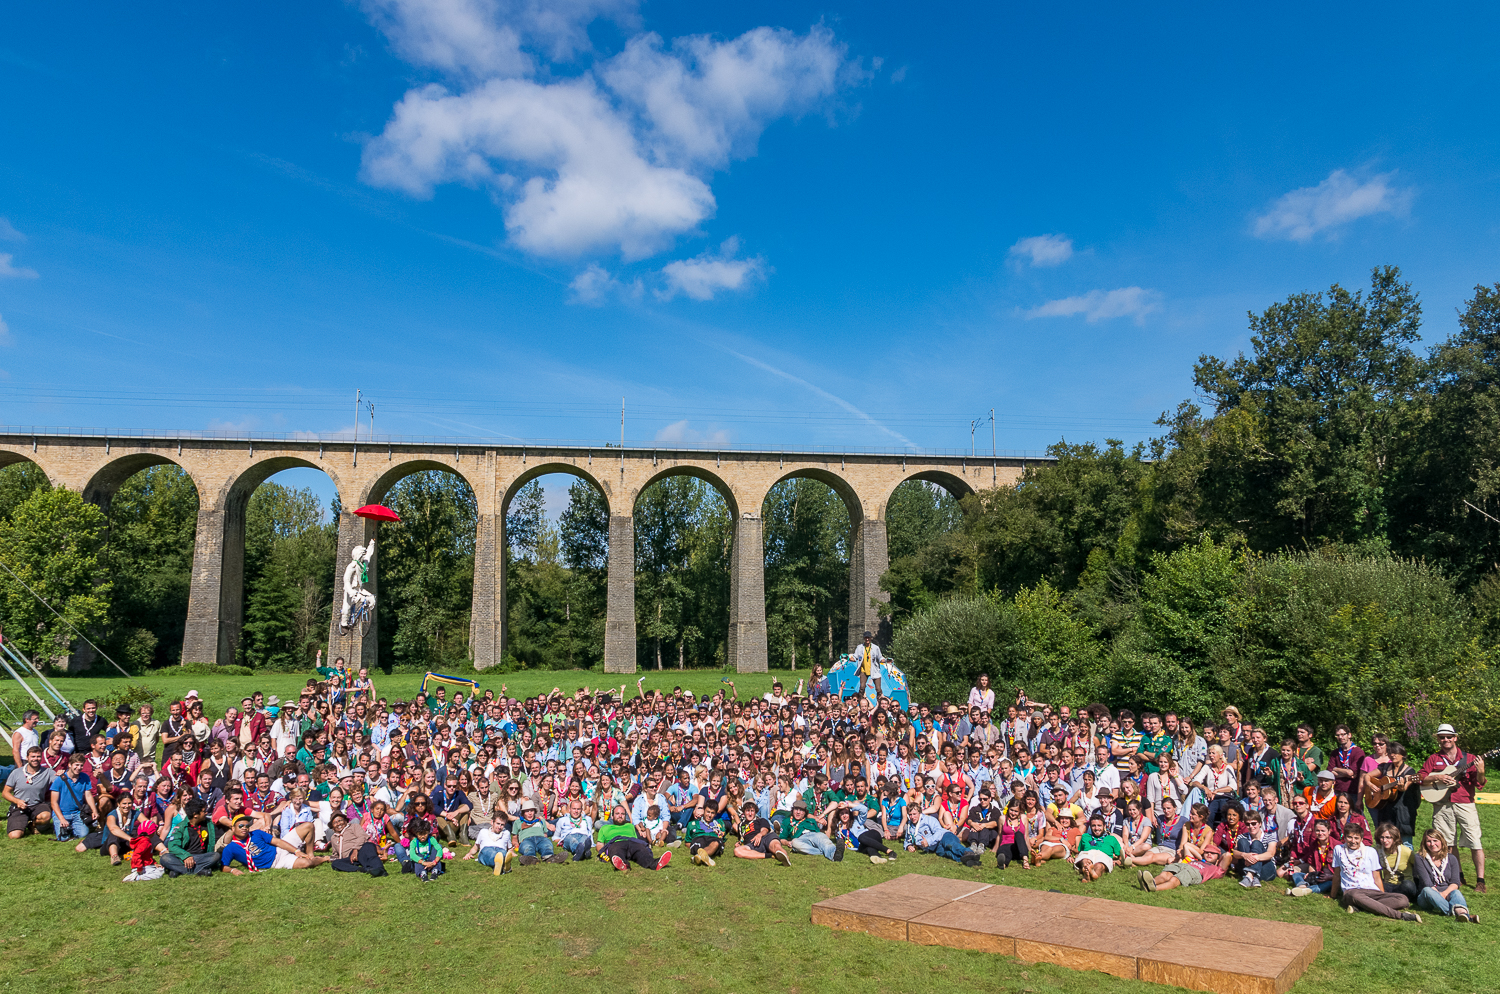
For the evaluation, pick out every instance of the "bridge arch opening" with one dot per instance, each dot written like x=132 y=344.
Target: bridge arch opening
x=683 y=525
x=808 y=519
x=280 y=544
x=423 y=573
x=555 y=590
x=151 y=505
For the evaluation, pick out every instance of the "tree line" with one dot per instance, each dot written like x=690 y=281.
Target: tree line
x=1314 y=538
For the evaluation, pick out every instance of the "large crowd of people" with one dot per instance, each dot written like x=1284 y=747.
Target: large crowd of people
x=344 y=776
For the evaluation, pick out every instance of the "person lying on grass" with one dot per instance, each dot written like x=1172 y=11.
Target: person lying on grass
x=255 y=850
x=620 y=844
x=1198 y=859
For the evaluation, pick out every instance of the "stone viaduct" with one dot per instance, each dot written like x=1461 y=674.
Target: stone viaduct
x=226 y=472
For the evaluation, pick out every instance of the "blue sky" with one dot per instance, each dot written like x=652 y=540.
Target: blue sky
x=762 y=224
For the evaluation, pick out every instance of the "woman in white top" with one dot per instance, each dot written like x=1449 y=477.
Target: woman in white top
x=1167 y=783
x=324 y=812
x=982 y=696
x=287 y=731
x=1220 y=785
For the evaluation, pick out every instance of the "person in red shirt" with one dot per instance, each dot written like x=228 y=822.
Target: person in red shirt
x=1456 y=817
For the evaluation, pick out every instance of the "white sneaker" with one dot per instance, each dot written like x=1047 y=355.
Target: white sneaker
x=1248 y=881
x=878 y=859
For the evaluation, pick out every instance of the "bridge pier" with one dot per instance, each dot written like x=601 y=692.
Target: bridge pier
x=216 y=597
x=868 y=559
x=747 y=596
x=487 y=610
x=619 y=612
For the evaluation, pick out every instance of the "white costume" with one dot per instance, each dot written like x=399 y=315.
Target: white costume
x=354 y=582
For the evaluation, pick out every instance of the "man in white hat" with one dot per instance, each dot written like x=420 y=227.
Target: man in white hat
x=1456 y=816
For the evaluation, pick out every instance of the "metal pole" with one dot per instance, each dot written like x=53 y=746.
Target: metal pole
x=994 y=452
x=27 y=687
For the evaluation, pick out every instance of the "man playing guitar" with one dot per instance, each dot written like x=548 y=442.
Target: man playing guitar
x=1459 y=775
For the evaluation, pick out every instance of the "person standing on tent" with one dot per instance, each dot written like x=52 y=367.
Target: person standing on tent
x=866 y=657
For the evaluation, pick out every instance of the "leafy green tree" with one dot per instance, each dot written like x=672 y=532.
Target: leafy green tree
x=153 y=520
x=52 y=544
x=19 y=481
x=289 y=561
x=805 y=529
x=426 y=572
x=1449 y=502
x=1305 y=431
x=682 y=554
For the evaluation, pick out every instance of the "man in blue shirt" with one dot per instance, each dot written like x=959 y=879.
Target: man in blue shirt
x=73 y=804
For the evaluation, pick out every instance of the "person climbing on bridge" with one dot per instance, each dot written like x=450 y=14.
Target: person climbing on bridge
x=356 y=575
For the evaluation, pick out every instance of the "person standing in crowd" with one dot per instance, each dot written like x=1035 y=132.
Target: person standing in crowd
x=866 y=657
x=1456 y=816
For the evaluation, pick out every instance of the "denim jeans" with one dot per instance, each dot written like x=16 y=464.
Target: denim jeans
x=72 y=826
x=489 y=854
x=536 y=845
x=949 y=847
x=814 y=844
x=579 y=845
x=1432 y=898
x=1303 y=880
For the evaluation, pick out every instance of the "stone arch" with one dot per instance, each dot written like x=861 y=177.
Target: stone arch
x=958 y=488
x=698 y=473
x=834 y=481
x=549 y=469
x=378 y=488
x=10 y=457
x=239 y=489
x=107 y=479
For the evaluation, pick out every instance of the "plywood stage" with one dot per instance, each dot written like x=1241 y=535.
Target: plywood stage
x=1221 y=953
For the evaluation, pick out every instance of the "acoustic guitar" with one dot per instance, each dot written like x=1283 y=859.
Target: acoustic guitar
x=1437 y=793
x=1380 y=788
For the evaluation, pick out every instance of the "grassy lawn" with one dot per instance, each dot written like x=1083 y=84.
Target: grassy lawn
x=740 y=927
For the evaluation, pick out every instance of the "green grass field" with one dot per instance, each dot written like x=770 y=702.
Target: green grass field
x=72 y=925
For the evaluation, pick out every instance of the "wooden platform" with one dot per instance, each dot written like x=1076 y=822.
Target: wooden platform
x=1220 y=953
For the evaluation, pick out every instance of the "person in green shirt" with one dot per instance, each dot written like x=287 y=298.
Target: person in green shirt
x=705 y=835
x=425 y=852
x=190 y=844
x=1098 y=851
x=1154 y=743
x=1291 y=774
x=806 y=835
x=1306 y=751
x=621 y=845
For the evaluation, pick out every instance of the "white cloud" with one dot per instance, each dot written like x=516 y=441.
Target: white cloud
x=703 y=101
x=596 y=285
x=1101 y=305
x=614 y=159
x=8 y=269
x=5 y=338
x=704 y=275
x=484 y=38
x=681 y=433
x=8 y=232
x=577 y=181
x=1304 y=213
x=1044 y=250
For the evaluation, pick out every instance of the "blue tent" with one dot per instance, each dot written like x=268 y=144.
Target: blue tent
x=843 y=680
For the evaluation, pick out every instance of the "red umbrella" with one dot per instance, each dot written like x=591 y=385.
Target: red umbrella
x=379 y=512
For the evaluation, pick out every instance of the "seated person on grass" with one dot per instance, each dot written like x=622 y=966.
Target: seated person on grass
x=27 y=790
x=1098 y=850
x=191 y=844
x=532 y=837
x=1356 y=879
x=1061 y=838
x=492 y=847
x=807 y=837
x=1312 y=871
x=1198 y=861
x=425 y=854
x=758 y=839
x=1254 y=854
x=704 y=833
